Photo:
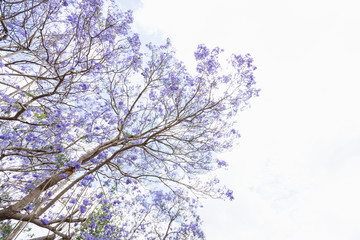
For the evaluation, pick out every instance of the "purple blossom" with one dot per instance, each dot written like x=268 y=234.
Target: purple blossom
x=202 y=52
x=35 y=175
x=30 y=207
x=87 y=180
x=63 y=175
x=77 y=165
x=59 y=148
x=128 y=181
x=82 y=209
x=222 y=163
x=229 y=194
x=45 y=221
x=92 y=225
x=86 y=202
x=84 y=86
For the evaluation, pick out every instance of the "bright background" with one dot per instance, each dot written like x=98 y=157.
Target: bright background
x=296 y=172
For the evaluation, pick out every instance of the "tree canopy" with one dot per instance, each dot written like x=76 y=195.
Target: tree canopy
x=101 y=137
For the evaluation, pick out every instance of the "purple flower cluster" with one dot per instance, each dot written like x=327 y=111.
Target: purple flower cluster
x=87 y=180
x=202 y=52
x=45 y=221
x=113 y=129
x=74 y=164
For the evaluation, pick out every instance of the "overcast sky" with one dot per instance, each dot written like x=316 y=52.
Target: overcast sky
x=296 y=172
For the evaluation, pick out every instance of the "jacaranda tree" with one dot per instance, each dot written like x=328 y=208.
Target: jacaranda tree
x=102 y=139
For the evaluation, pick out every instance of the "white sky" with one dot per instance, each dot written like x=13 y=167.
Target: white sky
x=296 y=172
